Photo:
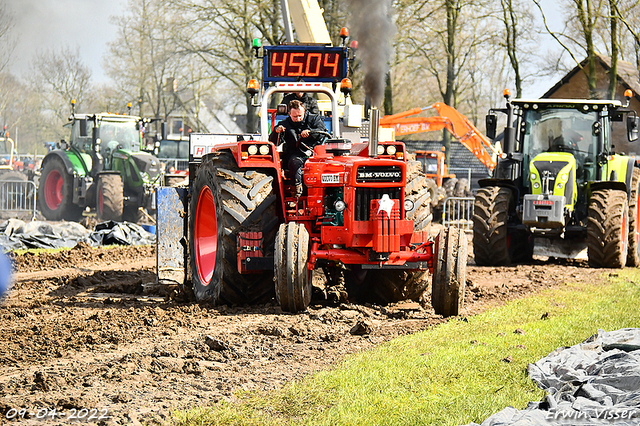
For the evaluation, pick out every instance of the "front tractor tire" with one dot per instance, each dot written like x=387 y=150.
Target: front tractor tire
x=633 y=255
x=608 y=229
x=109 y=197
x=292 y=275
x=449 y=272
x=55 y=192
x=226 y=200
x=494 y=243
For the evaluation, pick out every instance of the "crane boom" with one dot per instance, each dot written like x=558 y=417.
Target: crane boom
x=448 y=118
x=307 y=20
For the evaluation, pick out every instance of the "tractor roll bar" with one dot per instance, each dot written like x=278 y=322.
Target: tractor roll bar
x=297 y=87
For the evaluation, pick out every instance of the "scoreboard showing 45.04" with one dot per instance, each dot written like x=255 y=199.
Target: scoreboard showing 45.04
x=307 y=63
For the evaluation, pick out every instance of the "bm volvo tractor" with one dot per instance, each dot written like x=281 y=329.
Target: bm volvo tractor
x=249 y=237
x=100 y=167
x=559 y=190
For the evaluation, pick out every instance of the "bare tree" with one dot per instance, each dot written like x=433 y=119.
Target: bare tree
x=57 y=77
x=221 y=32
x=580 y=35
x=144 y=58
x=444 y=37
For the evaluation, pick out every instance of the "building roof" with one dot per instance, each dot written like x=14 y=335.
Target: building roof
x=628 y=75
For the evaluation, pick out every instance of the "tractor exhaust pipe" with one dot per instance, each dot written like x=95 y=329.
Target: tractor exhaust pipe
x=374 y=125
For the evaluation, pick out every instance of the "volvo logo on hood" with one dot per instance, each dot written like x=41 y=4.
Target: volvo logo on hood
x=379 y=174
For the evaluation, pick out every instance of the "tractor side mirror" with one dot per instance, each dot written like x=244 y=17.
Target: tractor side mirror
x=632 y=127
x=491 y=123
x=82 y=126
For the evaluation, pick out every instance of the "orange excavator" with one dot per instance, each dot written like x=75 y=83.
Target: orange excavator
x=448 y=118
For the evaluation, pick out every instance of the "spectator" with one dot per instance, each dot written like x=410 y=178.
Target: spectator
x=310 y=103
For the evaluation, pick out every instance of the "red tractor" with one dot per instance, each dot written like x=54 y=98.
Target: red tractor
x=358 y=217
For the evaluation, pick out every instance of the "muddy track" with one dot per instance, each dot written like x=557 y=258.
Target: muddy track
x=88 y=328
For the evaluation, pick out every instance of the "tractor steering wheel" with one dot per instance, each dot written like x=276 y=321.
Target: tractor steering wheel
x=309 y=151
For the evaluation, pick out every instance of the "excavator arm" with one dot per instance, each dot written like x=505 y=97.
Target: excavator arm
x=448 y=118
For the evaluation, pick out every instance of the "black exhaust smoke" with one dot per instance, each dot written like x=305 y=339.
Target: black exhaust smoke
x=372 y=26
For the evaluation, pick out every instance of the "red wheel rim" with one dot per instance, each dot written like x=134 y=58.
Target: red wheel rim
x=206 y=236
x=53 y=190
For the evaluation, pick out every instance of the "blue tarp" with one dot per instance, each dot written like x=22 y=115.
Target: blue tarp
x=16 y=234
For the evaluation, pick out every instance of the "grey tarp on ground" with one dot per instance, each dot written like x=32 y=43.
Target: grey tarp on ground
x=596 y=382
x=16 y=234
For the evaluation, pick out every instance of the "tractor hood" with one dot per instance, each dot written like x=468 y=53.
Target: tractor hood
x=554 y=173
x=148 y=164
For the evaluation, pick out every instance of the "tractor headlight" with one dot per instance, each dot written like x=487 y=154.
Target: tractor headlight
x=534 y=176
x=391 y=150
x=380 y=149
x=339 y=205
x=408 y=205
x=560 y=185
x=564 y=177
x=252 y=150
x=264 y=149
x=536 y=185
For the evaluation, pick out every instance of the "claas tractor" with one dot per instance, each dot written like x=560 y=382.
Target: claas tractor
x=247 y=229
x=559 y=190
x=101 y=167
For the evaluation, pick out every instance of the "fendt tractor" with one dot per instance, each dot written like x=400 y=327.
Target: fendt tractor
x=101 y=167
x=559 y=190
x=358 y=217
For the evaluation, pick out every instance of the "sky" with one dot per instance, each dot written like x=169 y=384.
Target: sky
x=42 y=25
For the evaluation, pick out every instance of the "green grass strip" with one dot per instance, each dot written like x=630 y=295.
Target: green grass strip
x=452 y=374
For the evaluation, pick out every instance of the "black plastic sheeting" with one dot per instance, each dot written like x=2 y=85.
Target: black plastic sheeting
x=16 y=234
x=596 y=382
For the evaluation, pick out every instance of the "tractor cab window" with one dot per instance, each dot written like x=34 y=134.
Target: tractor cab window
x=561 y=130
x=5 y=147
x=431 y=165
x=119 y=135
x=82 y=139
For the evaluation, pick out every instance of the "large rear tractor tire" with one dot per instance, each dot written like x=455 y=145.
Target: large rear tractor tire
x=607 y=229
x=493 y=243
x=449 y=272
x=227 y=200
x=292 y=275
x=633 y=255
x=109 y=197
x=55 y=192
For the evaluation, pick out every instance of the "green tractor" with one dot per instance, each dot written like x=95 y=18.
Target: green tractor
x=101 y=167
x=559 y=190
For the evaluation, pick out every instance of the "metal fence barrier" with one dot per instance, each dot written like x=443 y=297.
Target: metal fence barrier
x=176 y=163
x=458 y=212
x=18 y=196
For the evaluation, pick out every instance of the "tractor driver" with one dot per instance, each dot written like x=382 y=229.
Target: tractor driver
x=298 y=132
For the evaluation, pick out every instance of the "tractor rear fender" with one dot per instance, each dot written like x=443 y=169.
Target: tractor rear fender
x=608 y=184
x=502 y=183
x=73 y=162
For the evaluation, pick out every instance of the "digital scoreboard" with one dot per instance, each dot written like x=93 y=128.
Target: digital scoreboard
x=304 y=63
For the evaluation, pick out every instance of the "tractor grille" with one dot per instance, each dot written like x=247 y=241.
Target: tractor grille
x=365 y=195
x=367 y=174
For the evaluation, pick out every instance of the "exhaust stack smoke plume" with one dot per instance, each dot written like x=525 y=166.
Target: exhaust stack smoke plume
x=372 y=26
